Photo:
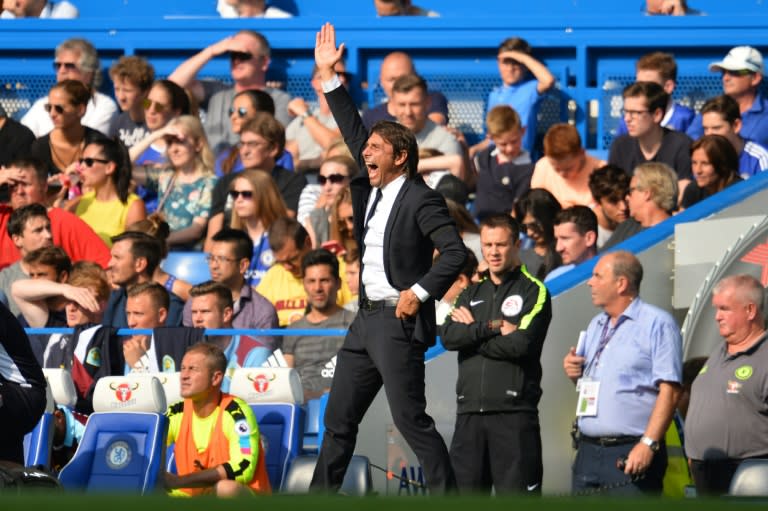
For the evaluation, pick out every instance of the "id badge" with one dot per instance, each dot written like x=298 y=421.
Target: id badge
x=589 y=392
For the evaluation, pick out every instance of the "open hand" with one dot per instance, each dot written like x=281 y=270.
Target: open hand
x=326 y=52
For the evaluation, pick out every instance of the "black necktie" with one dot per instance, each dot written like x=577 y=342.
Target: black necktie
x=373 y=209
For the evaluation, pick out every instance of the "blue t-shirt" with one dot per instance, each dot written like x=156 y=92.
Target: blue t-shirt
x=261 y=261
x=753 y=159
x=754 y=123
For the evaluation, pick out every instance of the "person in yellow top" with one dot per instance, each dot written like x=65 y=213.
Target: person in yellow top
x=216 y=436
x=108 y=206
x=283 y=283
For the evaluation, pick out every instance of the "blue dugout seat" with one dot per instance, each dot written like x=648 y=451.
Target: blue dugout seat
x=121 y=450
x=189 y=266
x=281 y=426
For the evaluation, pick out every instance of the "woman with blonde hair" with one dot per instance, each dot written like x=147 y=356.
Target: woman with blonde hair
x=256 y=203
x=185 y=187
x=334 y=175
x=341 y=222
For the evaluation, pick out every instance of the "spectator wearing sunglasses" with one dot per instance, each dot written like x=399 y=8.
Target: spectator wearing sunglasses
x=132 y=77
x=314 y=129
x=245 y=105
x=742 y=71
x=164 y=102
x=249 y=57
x=61 y=149
x=334 y=175
x=256 y=204
x=42 y=9
x=185 y=185
x=76 y=59
x=536 y=211
x=262 y=139
x=109 y=206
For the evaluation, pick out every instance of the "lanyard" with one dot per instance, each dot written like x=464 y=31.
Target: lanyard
x=605 y=337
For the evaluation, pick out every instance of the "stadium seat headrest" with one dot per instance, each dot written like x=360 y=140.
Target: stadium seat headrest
x=267 y=385
x=171 y=383
x=132 y=393
x=62 y=387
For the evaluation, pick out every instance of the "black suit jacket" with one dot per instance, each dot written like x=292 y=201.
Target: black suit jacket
x=418 y=223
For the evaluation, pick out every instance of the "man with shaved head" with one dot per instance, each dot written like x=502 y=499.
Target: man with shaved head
x=394 y=66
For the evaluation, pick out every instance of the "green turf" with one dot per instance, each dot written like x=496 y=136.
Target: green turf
x=61 y=501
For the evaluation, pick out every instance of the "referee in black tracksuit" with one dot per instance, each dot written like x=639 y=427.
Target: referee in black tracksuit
x=498 y=326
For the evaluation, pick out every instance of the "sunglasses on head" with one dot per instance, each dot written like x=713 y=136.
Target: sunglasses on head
x=88 y=162
x=333 y=178
x=245 y=194
x=241 y=111
x=66 y=65
x=159 y=107
x=240 y=55
x=58 y=108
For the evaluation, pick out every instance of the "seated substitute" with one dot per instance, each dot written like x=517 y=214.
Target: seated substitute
x=217 y=442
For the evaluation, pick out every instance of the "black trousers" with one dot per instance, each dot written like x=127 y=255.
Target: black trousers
x=20 y=410
x=379 y=349
x=502 y=450
x=713 y=477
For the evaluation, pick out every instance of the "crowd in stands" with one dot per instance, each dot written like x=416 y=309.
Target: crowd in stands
x=97 y=191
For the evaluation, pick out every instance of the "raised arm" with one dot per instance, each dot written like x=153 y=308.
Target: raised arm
x=186 y=74
x=537 y=69
x=31 y=294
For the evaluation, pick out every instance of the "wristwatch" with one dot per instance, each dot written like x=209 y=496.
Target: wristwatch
x=650 y=442
x=305 y=115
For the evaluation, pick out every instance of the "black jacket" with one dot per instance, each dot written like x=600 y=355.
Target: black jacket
x=500 y=373
x=418 y=223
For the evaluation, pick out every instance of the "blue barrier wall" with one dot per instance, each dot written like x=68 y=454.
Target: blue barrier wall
x=589 y=46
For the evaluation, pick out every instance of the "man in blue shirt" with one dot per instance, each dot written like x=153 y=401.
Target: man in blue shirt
x=628 y=370
x=742 y=71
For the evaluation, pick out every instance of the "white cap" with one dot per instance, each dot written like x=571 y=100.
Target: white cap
x=740 y=58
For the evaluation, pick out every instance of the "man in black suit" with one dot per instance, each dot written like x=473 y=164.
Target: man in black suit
x=399 y=221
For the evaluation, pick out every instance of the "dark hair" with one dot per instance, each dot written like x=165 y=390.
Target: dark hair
x=179 y=97
x=222 y=293
x=115 y=151
x=269 y=128
x=462 y=217
x=40 y=168
x=724 y=105
x=285 y=228
x=155 y=226
x=21 y=216
x=318 y=257
x=402 y=140
x=142 y=246
x=663 y=63
x=609 y=182
x=582 y=217
x=722 y=156
x=407 y=83
x=543 y=207
x=515 y=44
x=217 y=361
x=260 y=100
x=243 y=245
x=158 y=295
x=78 y=93
x=50 y=256
x=498 y=220
x=470 y=265
x=655 y=97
